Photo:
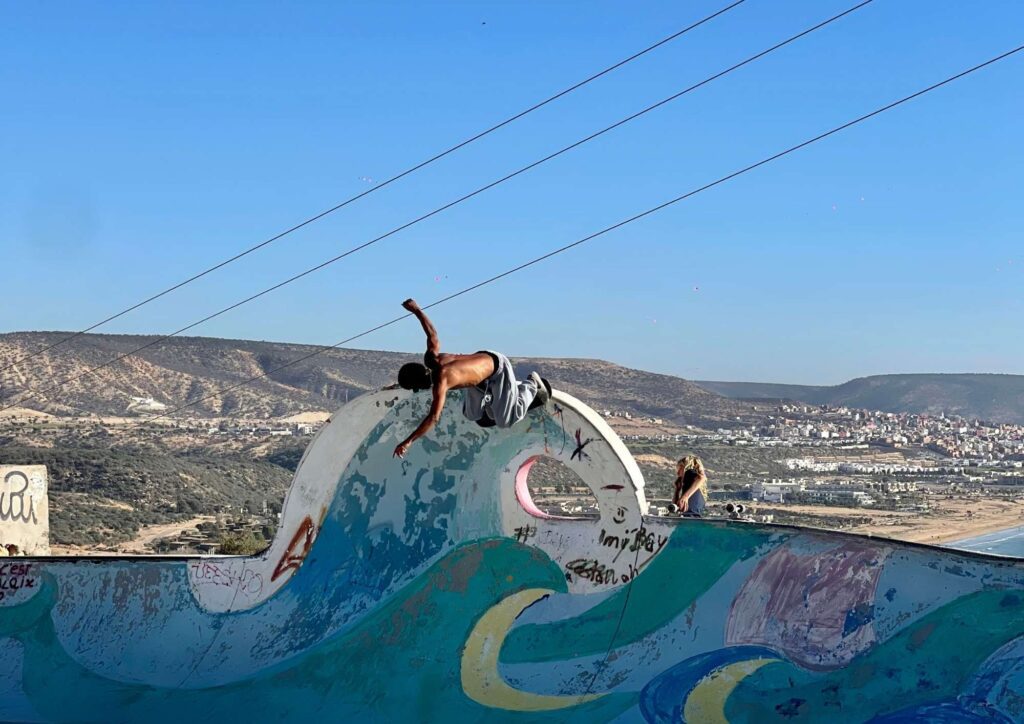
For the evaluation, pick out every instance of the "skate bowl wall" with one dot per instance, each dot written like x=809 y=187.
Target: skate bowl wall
x=431 y=588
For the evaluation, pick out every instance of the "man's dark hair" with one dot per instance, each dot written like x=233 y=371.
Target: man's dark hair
x=414 y=376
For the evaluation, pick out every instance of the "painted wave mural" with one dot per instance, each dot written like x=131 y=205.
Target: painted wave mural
x=432 y=588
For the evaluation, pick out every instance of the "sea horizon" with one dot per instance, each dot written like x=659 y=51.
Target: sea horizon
x=1006 y=542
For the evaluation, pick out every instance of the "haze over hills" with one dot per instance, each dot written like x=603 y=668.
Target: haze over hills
x=189 y=368
x=992 y=397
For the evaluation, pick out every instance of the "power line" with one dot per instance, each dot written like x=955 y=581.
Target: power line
x=388 y=182
x=35 y=390
x=604 y=231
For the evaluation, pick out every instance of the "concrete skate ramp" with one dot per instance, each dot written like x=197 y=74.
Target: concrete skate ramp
x=432 y=589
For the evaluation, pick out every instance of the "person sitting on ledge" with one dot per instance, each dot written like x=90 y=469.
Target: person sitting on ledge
x=493 y=396
x=691 y=487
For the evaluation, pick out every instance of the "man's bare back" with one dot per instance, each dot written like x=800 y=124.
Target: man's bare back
x=465 y=370
x=441 y=372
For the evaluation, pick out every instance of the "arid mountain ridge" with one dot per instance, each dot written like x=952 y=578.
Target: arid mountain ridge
x=991 y=397
x=184 y=369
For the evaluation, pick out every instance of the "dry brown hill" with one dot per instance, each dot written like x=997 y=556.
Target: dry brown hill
x=992 y=397
x=184 y=369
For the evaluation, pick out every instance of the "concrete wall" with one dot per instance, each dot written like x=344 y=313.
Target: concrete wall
x=431 y=589
x=25 y=509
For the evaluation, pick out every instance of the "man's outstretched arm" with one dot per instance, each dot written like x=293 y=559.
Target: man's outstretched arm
x=432 y=418
x=433 y=344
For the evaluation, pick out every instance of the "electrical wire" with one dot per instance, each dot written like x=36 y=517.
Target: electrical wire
x=606 y=230
x=388 y=182
x=33 y=391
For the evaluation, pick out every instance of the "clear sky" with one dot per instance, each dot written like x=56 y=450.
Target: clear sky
x=141 y=142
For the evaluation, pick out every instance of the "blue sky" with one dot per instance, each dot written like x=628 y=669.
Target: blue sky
x=141 y=142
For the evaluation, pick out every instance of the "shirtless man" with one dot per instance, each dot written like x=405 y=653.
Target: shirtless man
x=492 y=397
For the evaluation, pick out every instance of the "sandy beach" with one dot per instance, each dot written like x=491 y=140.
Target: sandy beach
x=948 y=520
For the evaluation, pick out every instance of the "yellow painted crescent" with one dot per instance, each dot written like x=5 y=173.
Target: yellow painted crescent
x=706 y=702
x=480 y=678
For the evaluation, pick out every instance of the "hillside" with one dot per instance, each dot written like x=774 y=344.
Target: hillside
x=102 y=496
x=185 y=369
x=997 y=398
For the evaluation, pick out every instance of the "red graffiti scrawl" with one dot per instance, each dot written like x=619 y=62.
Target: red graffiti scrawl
x=297 y=550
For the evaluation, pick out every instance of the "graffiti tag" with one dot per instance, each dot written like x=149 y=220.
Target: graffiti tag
x=525 y=532
x=14 y=577
x=635 y=540
x=12 y=502
x=590 y=569
x=297 y=549
x=248 y=581
x=580 y=445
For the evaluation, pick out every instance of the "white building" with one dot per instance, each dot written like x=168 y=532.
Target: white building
x=774 y=491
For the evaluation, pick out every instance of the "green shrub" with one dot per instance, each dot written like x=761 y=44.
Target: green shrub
x=242 y=544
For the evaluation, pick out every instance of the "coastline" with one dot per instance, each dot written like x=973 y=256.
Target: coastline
x=949 y=521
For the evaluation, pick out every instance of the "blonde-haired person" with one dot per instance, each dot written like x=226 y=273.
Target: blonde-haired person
x=691 y=486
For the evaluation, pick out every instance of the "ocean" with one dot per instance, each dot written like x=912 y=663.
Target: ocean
x=1008 y=542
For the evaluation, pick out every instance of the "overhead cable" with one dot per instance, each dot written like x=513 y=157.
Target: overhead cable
x=33 y=391
x=602 y=232
x=382 y=184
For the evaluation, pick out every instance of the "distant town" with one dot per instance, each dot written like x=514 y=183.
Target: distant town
x=920 y=477
x=824 y=461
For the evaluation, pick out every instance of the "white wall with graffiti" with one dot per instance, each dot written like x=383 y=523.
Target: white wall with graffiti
x=24 y=510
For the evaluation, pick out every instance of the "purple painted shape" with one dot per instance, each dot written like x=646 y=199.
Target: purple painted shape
x=816 y=607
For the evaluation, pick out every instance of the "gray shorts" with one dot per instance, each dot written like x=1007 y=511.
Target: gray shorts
x=499 y=398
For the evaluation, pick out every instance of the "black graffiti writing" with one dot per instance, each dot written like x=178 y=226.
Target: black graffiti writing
x=248 y=582
x=591 y=570
x=525 y=532
x=560 y=414
x=14 y=577
x=12 y=502
x=580 y=445
x=633 y=540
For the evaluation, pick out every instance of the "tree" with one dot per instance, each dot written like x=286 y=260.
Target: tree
x=241 y=544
